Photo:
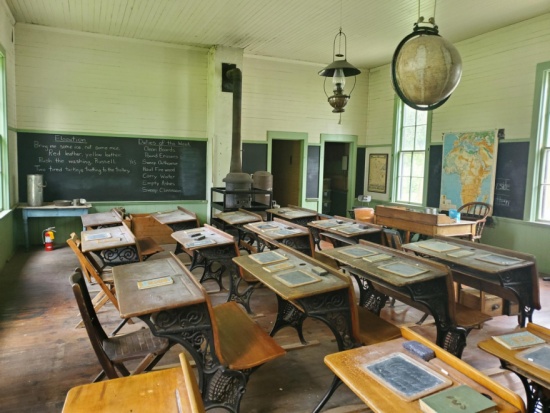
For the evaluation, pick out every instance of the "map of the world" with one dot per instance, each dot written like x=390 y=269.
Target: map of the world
x=468 y=170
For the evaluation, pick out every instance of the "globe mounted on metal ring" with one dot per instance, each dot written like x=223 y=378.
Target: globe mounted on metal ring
x=426 y=68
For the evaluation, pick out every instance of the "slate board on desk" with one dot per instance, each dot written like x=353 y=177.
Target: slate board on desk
x=112 y=168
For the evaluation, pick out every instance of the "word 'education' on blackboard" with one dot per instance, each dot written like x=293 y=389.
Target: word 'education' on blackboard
x=113 y=168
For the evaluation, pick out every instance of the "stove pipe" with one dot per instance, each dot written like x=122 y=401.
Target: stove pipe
x=236 y=179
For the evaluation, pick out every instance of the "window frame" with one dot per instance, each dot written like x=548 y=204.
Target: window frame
x=540 y=147
x=399 y=109
x=4 y=174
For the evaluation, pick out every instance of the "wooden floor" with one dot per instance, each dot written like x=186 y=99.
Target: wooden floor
x=43 y=355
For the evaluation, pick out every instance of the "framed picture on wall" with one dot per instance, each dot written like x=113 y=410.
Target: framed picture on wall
x=378 y=173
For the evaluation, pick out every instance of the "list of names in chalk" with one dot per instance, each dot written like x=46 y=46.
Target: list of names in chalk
x=159 y=165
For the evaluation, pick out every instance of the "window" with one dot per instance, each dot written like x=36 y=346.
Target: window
x=543 y=148
x=411 y=140
x=3 y=136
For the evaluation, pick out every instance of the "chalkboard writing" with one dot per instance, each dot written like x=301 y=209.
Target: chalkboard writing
x=313 y=162
x=510 y=178
x=112 y=169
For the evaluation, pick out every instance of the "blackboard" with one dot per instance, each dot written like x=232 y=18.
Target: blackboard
x=360 y=171
x=254 y=157
x=510 y=178
x=313 y=162
x=434 y=175
x=113 y=168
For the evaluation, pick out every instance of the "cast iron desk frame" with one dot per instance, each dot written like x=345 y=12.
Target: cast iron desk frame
x=179 y=312
x=536 y=381
x=49 y=211
x=430 y=290
x=119 y=249
x=518 y=283
x=326 y=300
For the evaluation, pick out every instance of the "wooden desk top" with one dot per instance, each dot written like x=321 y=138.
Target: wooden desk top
x=187 y=240
x=277 y=229
x=345 y=228
x=348 y=366
x=332 y=281
x=157 y=391
x=100 y=218
x=176 y=216
x=116 y=237
x=342 y=255
x=134 y=302
x=292 y=213
x=528 y=370
x=444 y=248
x=238 y=217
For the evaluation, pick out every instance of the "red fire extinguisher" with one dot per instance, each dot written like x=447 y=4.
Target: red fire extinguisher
x=48 y=237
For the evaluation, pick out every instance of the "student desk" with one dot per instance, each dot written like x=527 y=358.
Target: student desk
x=180 y=312
x=430 y=290
x=297 y=215
x=514 y=277
x=171 y=390
x=237 y=219
x=101 y=220
x=421 y=223
x=47 y=211
x=326 y=299
x=217 y=246
x=114 y=245
x=348 y=368
x=178 y=220
x=285 y=232
x=536 y=380
x=348 y=229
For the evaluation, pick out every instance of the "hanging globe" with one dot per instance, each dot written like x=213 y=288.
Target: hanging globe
x=426 y=68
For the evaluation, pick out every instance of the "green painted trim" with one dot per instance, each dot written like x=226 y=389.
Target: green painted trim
x=11 y=128
x=533 y=167
x=291 y=136
x=505 y=141
x=110 y=135
x=256 y=142
x=352 y=162
x=312 y=199
x=377 y=146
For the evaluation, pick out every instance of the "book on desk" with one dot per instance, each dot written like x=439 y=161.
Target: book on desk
x=461 y=399
x=519 y=340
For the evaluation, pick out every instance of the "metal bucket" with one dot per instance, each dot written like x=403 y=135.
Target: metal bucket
x=35 y=190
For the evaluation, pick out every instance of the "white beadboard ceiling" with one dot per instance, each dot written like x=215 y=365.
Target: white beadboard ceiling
x=289 y=29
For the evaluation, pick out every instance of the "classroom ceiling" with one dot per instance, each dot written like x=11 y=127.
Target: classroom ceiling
x=288 y=29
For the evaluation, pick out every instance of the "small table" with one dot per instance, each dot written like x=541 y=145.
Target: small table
x=512 y=275
x=49 y=210
x=423 y=284
x=535 y=380
x=285 y=232
x=348 y=368
x=422 y=223
x=297 y=215
x=326 y=299
x=101 y=220
x=114 y=245
x=169 y=390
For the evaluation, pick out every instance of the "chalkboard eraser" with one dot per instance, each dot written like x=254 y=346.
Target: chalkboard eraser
x=319 y=271
x=419 y=349
x=201 y=238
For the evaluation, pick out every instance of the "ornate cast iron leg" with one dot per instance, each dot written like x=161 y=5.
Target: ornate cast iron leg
x=299 y=243
x=538 y=400
x=120 y=256
x=369 y=298
x=336 y=382
x=288 y=316
x=192 y=329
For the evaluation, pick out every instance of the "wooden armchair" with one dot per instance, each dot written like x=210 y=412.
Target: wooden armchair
x=478 y=212
x=113 y=352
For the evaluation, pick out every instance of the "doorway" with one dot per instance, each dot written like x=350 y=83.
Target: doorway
x=286 y=159
x=335 y=178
